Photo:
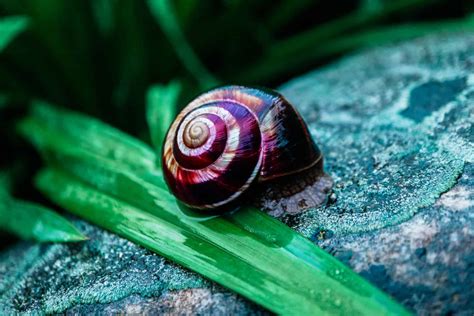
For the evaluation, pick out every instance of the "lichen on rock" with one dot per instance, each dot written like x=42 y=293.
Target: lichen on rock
x=398 y=137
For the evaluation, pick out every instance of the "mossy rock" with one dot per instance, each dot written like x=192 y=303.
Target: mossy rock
x=395 y=126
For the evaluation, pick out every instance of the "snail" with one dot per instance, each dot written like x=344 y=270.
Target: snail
x=230 y=138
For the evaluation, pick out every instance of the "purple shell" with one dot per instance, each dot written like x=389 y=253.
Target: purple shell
x=230 y=137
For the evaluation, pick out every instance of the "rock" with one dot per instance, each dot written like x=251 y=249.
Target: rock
x=395 y=126
x=397 y=134
x=106 y=274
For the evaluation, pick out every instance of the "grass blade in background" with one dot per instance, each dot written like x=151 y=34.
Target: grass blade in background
x=285 y=11
x=238 y=251
x=65 y=29
x=104 y=15
x=323 y=40
x=91 y=135
x=166 y=18
x=10 y=27
x=274 y=66
x=299 y=43
x=3 y=101
x=33 y=222
x=162 y=106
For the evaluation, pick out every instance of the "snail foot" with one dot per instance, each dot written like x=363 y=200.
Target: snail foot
x=294 y=194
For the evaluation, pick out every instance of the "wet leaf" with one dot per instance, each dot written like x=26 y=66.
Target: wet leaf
x=32 y=221
x=166 y=18
x=85 y=134
x=162 y=106
x=10 y=27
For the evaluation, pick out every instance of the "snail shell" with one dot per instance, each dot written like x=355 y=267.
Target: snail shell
x=230 y=137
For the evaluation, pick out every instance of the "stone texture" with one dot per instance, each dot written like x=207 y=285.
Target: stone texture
x=395 y=126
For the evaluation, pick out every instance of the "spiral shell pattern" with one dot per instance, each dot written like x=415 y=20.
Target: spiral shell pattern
x=226 y=139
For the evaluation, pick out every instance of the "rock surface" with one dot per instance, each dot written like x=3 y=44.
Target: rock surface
x=395 y=126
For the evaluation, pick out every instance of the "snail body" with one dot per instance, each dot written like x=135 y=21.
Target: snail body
x=229 y=138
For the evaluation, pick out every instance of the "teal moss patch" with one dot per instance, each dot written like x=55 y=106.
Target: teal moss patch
x=382 y=177
x=433 y=274
x=430 y=96
x=52 y=278
x=394 y=136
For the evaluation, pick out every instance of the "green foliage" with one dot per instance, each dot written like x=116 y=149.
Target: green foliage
x=3 y=101
x=10 y=27
x=162 y=105
x=100 y=57
x=90 y=136
x=32 y=221
x=234 y=250
x=165 y=17
x=272 y=65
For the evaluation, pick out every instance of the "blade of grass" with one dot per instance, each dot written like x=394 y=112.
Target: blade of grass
x=92 y=135
x=130 y=62
x=5 y=184
x=165 y=17
x=33 y=222
x=50 y=141
x=10 y=27
x=162 y=107
x=371 y=5
x=30 y=74
x=271 y=67
x=104 y=15
x=3 y=101
x=237 y=250
x=283 y=12
x=358 y=18
x=69 y=45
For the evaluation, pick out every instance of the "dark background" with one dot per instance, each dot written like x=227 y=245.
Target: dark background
x=101 y=56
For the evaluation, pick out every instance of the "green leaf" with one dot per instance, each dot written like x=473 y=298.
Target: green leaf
x=283 y=12
x=53 y=143
x=10 y=27
x=165 y=17
x=299 y=43
x=3 y=101
x=5 y=184
x=32 y=221
x=162 y=106
x=87 y=135
x=64 y=29
x=131 y=50
x=238 y=250
x=273 y=65
x=104 y=15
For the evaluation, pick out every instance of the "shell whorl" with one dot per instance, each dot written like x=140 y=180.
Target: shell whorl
x=230 y=137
